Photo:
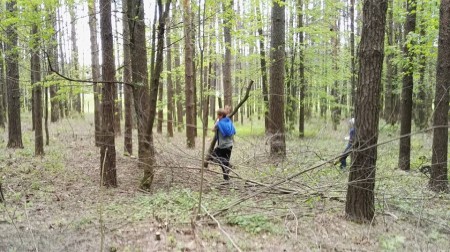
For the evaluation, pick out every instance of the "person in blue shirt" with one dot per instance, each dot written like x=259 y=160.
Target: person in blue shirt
x=351 y=138
x=225 y=131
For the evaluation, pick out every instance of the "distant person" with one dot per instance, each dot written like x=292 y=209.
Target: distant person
x=350 y=138
x=225 y=131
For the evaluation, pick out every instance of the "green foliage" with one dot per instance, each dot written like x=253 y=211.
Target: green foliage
x=254 y=223
x=176 y=205
x=391 y=242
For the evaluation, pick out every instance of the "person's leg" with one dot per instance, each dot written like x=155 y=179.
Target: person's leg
x=220 y=157
x=345 y=155
x=226 y=161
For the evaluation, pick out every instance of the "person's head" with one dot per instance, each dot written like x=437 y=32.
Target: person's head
x=221 y=113
x=227 y=109
x=351 y=122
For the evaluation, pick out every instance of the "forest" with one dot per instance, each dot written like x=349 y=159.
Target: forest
x=231 y=125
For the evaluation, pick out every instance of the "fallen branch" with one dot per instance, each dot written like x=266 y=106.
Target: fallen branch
x=214 y=140
x=221 y=229
x=239 y=201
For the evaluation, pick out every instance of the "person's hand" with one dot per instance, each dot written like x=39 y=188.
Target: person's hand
x=346 y=138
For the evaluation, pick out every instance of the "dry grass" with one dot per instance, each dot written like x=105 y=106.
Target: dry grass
x=55 y=203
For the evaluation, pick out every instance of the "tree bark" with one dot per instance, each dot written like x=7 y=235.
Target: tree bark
x=276 y=92
x=73 y=37
x=37 y=106
x=389 y=98
x=12 y=81
x=53 y=54
x=421 y=104
x=227 y=86
x=148 y=172
x=170 y=91
x=95 y=69
x=128 y=90
x=335 y=104
x=178 y=90
x=108 y=148
x=407 y=91
x=262 y=55
x=360 y=203
x=352 y=52
x=439 y=172
x=2 y=87
x=301 y=69
x=189 y=75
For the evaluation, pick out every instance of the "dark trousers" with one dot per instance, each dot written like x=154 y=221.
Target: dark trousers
x=344 y=156
x=222 y=157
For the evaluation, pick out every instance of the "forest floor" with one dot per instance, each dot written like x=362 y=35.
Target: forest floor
x=55 y=203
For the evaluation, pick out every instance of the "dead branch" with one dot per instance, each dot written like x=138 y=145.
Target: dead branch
x=214 y=140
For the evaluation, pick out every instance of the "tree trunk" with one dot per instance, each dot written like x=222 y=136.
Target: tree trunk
x=159 y=126
x=360 y=192
x=170 y=91
x=148 y=172
x=128 y=90
x=35 y=79
x=53 y=54
x=421 y=115
x=352 y=52
x=276 y=101
x=178 y=90
x=12 y=81
x=227 y=86
x=302 y=102
x=389 y=113
x=140 y=79
x=47 y=137
x=2 y=87
x=62 y=102
x=265 y=89
x=95 y=68
x=117 y=96
x=73 y=37
x=439 y=172
x=335 y=107
x=407 y=91
x=108 y=148
x=189 y=75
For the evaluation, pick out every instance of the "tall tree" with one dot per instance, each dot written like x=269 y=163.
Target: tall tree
x=128 y=89
x=12 y=80
x=63 y=104
x=390 y=97
x=227 y=86
x=138 y=49
x=276 y=92
x=301 y=69
x=262 y=55
x=53 y=54
x=2 y=84
x=189 y=75
x=73 y=38
x=439 y=172
x=335 y=106
x=407 y=90
x=108 y=148
x=178 y=88
x=35 y=79
x=360 y=192
x=170 y=91
x=95 y=69
x=422 y=104
x=352 y=52
x=148 y=172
